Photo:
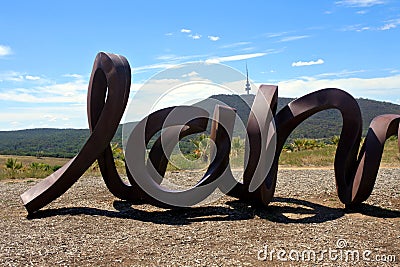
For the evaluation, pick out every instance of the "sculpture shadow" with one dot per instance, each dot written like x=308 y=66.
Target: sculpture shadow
x=281 y=210
x=373 y=211
x=291 y=210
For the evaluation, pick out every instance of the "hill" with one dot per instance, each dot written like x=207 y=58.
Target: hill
x=67 y=142
x=324 y=124
x=43 y=142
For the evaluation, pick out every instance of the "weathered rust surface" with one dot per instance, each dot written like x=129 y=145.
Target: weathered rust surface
x=110 y=72
x=267 y=131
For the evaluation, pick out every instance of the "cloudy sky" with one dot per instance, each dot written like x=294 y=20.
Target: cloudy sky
x=47 y=48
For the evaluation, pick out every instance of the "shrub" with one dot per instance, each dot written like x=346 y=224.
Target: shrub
x=13 y=166
x=305 y=144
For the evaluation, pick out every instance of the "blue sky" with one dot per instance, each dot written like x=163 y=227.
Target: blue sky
x=47 y=48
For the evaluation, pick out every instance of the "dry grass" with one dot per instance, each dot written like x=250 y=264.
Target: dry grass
x=27 y=160
x=324 y=156
x=315 y=158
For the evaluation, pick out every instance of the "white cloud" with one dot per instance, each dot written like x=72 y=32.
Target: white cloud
x=267 y=72
x=359 y=28
x=160 y=93
x=234 y=57
x=190 y=74
x=35 y=98
x=379 y=88
x=14 y=76
x=170 y=60
x=169 y=34
x=73 y=75
x=247 y=49
x=307 y=63
x=65 y=89
x=32 y=78
x=235 y=44
x=166 y=57
x=243 y=56
x=49 y=104
x=176 y=58
x=69 y=92
x=195 y=36
x=11 y=76
x=188 y=93
x=50 y=117
x=388 y=26
x=356 y=27
x=293 y=38
x=151 y=67
x=65 y=116
x=391 y=24
x=275 y=34
x=5 y=50
x=341 y=74
x=213 y=38
x=359 y=3
x=364 y=29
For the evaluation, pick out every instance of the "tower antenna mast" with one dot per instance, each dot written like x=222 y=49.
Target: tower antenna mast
x=248 y=87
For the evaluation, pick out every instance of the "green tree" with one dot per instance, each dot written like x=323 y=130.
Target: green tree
x=118 y=155
x=34 y=167
x=335 y=140
x=45 y=167
x=305 y=144
x=13 y=166
x=202 y=147
x=237 y=146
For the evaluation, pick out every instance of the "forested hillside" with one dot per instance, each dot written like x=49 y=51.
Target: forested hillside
x=67 y=142
x=324 y=124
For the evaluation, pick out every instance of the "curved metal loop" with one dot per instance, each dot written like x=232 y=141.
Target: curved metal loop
x=109 y=71
x=108 y=92
x=290 y=116
x=147 y=182
x=355 y=174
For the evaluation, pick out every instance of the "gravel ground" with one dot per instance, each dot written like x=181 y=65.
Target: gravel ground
x=88 y=226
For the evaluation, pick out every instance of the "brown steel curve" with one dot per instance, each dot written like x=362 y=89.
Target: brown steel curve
x=109 y=71
x=267 y=131
x=380 y=129
x=126 y=191
x=355 y=175
x=147 y=181
x=346 y=153
x=256 y=155
x=111 y=77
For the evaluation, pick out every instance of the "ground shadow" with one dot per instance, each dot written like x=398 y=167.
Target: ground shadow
x=125 y=210
x=302 y=211
x=373 y=211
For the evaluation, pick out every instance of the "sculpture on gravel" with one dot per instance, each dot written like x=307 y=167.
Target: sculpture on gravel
x=108 y=92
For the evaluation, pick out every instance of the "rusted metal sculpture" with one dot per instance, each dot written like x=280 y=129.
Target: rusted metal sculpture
x=110 y=72
x=355 y=173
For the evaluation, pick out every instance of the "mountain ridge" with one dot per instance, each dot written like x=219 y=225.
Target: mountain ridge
x=57 y=142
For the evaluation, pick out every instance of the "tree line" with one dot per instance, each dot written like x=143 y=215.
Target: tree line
x=66 y=143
